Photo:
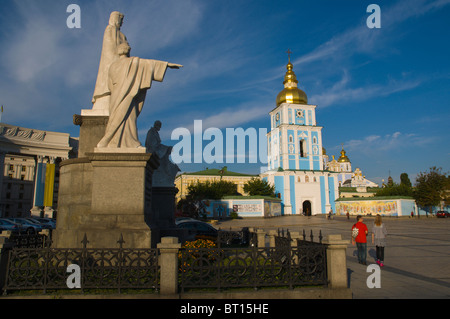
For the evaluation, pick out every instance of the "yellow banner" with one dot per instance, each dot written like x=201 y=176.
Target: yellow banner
x=49 y=185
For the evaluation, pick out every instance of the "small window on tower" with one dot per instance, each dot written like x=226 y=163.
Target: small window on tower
x=302 y=148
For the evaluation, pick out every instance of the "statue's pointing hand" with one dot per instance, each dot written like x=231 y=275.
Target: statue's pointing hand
x=174 y=66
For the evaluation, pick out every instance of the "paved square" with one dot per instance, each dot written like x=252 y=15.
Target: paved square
x=417 y=255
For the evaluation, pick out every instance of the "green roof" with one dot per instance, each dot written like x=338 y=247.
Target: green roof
x=218 y=172
x=252 y=197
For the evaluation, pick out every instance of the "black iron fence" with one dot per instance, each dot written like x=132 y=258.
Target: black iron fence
x=26 y=240
x=235 y=238
x=40 y=267
x=49 y=268
x=253 y=267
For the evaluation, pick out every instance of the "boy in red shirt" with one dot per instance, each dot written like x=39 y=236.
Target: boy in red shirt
x=361 y=239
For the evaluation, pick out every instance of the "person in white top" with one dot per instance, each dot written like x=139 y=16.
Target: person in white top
x=379 y=234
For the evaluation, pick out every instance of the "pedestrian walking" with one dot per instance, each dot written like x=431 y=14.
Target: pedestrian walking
x=379 y=234
x=359 y=236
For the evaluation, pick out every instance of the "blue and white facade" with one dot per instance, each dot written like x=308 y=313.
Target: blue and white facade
x=295 y=155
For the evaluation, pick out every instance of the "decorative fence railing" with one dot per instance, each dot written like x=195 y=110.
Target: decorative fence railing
x=290 y=263
x=253 y=267
x=47 y=268
x=243 y=237
x=24 y=240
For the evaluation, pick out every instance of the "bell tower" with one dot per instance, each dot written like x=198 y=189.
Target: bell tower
x=295 y=153
x=294 y=140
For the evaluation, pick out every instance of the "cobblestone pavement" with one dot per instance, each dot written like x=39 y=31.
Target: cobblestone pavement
x=417 y=255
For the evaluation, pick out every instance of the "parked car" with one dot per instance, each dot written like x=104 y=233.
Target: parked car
x=442 y=214
x=182 y=219
x=29 y=226
x=198 y=229
x=45 y=221
x=9 y=225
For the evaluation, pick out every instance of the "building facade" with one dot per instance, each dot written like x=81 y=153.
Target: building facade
x=30 y=159
x=182 y=181
x=243 y=206
x=295 y=154
x=346 y=176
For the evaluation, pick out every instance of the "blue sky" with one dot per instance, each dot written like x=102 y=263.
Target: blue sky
x=384 y=93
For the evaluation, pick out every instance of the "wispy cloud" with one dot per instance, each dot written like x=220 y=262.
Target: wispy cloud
x=362 y=39
x=378 y=144
x=342 y=91
x=342 y=47
x=228 y=118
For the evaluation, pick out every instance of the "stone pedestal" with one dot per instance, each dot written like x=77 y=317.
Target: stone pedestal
x=169 y=248
x=92 y=129
x=337 y=261
x=163 y=207
x=162 y=214
x=103 y=196
x=107 y=192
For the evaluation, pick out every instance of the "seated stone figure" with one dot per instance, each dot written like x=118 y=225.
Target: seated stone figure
x=165 y=175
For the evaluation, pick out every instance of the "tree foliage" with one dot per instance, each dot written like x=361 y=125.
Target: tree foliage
x=260 y=187
x=394 y=189
x=193 y=205
x=431 y=188
x=211 y=190
x=404 y=180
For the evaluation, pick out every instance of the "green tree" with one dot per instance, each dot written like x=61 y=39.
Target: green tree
x=431 y=188
x=211 y=190
x=260 y=187
x=193 y=205
x=394 y=189
x=404 y=180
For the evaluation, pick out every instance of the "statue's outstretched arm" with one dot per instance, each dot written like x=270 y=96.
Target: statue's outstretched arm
x=174 y=66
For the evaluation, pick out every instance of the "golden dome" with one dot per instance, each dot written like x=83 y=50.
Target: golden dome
x=291 y=93
x=343 y=158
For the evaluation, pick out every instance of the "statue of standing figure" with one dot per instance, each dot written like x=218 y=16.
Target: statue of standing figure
x=112 y=38
x=165 y=175
x=127 y=81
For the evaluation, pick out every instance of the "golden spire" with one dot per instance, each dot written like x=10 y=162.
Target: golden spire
x=343 y=158
x=291 y=93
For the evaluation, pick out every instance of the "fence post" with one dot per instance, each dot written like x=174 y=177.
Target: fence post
x=336 y=261
x=5 y=247
x=168 y=262
x=272 y=233
x=295 y=236
x=261 y=235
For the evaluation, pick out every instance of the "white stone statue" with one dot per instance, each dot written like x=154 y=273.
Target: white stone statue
x=112 y=38
x=165 y=175
x=129 y=78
